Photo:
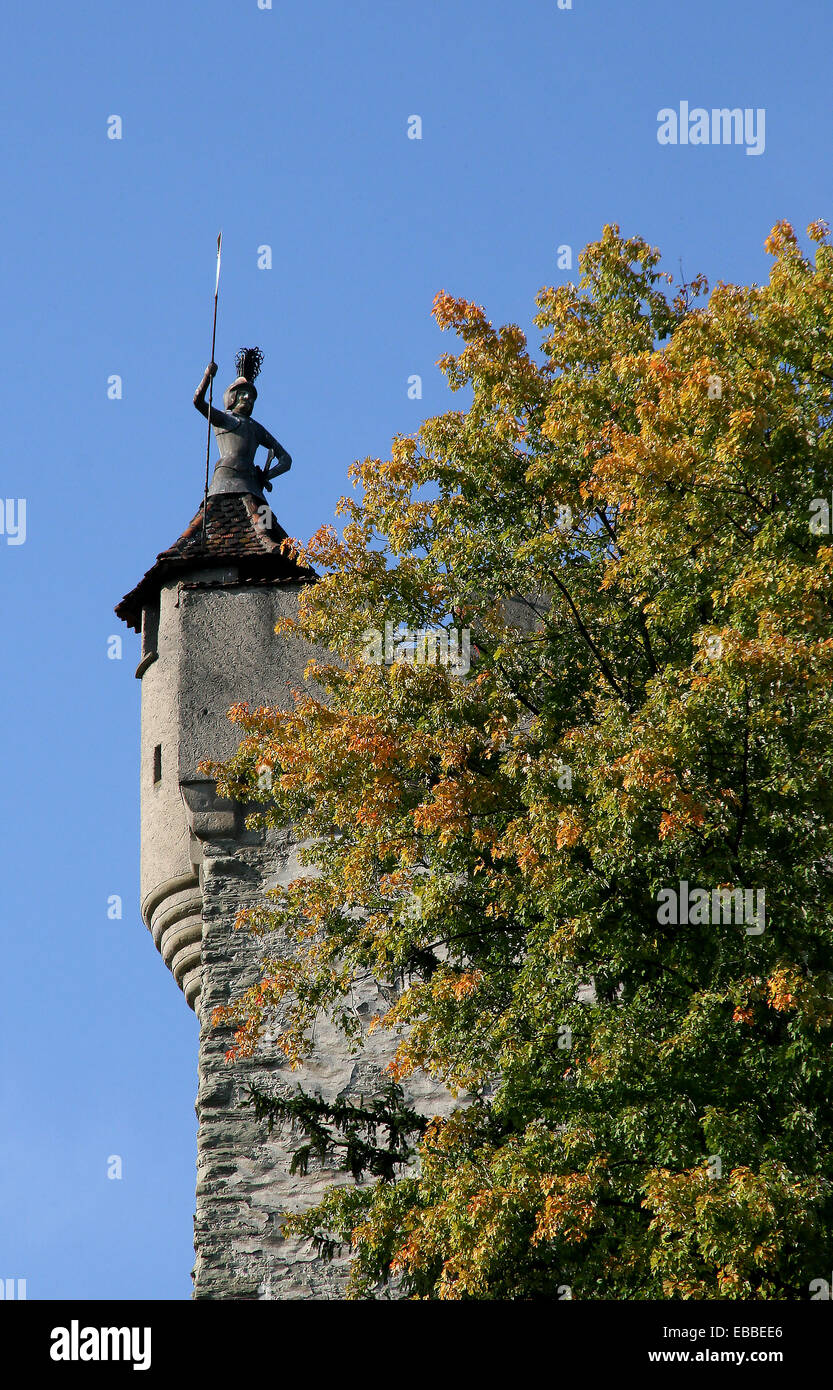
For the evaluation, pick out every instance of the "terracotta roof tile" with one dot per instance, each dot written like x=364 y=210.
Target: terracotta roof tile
x=241 y=530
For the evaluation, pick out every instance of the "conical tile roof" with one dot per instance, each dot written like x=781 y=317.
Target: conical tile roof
x=240 y=530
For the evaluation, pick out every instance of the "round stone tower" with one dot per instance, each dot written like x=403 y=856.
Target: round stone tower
x=206 y=611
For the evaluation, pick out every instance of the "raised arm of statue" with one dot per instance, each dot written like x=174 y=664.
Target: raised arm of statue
x=221 y=418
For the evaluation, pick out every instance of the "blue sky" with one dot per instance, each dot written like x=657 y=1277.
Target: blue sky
x=285 y=127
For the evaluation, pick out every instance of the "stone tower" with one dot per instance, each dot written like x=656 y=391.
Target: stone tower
x=207 y=610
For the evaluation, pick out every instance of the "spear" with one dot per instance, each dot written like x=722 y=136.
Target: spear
x=211 y=387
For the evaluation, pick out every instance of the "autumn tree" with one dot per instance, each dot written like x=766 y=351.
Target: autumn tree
x=629 y=524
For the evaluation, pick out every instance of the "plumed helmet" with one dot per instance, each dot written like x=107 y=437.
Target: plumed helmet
x=248 y=363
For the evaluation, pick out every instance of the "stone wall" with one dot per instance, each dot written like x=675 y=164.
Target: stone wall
x=243 y=1179
x=216 y=646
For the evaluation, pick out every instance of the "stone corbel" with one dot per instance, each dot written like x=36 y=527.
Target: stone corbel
x=210 y=817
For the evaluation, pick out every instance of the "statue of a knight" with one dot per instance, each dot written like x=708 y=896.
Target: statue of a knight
x=238 y=435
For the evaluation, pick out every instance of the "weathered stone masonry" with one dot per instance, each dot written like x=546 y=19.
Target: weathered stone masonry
x=207 y=610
